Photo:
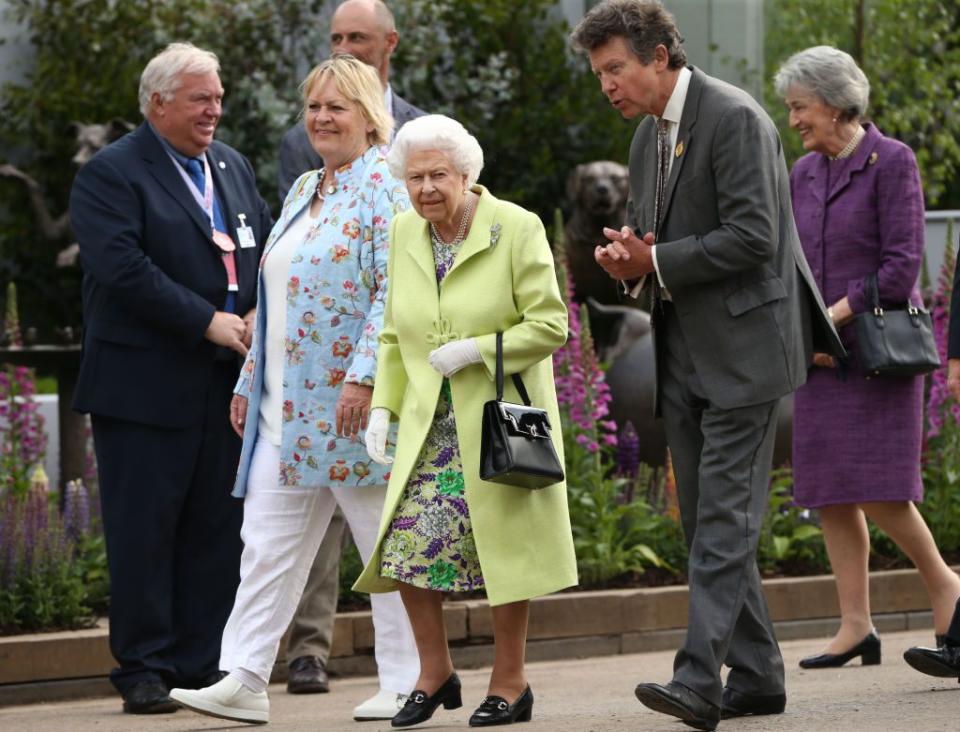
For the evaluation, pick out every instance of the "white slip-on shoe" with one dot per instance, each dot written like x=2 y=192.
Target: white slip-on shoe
x=382 y=705
x=226 y=699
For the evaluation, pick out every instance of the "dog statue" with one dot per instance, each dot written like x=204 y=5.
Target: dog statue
x=90 y=139
x=597 y=192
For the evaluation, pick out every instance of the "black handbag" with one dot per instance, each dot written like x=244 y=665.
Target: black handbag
x=515 y=444
x=895 y=342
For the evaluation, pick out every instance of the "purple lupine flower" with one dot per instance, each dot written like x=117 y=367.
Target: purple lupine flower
x=76 y=510
x=628 y=451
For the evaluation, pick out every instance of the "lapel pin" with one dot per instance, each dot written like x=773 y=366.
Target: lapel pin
x=494 y=235
x=679 y=150
x=223 y=165
x=873 y=158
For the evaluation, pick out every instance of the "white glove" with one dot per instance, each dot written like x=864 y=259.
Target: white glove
x=453 y=356
x=375 y=438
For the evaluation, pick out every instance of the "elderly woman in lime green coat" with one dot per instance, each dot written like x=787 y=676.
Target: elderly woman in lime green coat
x=463 y=265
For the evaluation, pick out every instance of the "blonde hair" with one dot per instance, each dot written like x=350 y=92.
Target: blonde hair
x=359 y=83
x=162 y=74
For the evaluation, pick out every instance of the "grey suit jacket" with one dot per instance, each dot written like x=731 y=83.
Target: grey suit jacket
x=297 y=156
x=729 y=253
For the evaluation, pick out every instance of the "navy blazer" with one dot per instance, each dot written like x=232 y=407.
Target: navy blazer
x=297 y=155
x=153 y=278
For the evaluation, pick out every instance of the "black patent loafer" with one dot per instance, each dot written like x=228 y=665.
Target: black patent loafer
x=495 y=710
x=739 y=704
x=942 y=662
x=148 y=697
x=678 y=701
x=868 y=650
x=420 y=707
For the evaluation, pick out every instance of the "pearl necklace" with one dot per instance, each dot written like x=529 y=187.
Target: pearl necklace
x=461 y=230
x=331 y=189
x=850 y=146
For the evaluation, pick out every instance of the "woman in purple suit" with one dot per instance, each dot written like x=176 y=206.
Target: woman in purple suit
x=858 y=204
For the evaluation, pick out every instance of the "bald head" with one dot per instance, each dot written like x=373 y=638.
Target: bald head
x=365 y=29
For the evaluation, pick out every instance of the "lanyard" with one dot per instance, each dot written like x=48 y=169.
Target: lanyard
x=205 y=199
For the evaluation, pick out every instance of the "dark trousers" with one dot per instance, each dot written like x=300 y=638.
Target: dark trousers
x=722 y=459
x=173 y=540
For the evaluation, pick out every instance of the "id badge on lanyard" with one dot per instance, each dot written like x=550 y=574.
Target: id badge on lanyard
x=221 y=239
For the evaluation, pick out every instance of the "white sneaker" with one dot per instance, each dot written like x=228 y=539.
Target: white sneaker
x=382 y=705
x=226 y=699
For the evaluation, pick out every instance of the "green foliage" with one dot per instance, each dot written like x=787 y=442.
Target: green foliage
x=41 y=587
x=89 y=55
x=504 y=69
x=789 y=540
x=90 y=565
x=910 y=52
x=350 y=568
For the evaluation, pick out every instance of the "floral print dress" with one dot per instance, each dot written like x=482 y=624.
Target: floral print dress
x=430 y=542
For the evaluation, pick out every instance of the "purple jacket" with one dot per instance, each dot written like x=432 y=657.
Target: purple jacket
x=872 y=218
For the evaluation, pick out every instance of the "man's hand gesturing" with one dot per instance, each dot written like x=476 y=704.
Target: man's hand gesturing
x=626 y=257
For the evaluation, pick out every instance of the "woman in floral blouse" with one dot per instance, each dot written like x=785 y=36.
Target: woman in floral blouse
x=305 y=389
x=471 y=266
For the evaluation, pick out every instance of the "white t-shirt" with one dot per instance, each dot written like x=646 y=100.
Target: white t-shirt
x=276 y=271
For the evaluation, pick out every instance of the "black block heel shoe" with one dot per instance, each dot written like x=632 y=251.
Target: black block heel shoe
x=495 y=710
x=420 y=707
x=868 y=649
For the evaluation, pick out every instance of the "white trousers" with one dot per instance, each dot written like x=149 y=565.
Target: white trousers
x=282 y=530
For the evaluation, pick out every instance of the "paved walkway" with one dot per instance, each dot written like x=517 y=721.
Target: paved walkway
x=590 y=695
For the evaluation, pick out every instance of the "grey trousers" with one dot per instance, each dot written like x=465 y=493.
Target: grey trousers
x=722 y=460
x=311 y=630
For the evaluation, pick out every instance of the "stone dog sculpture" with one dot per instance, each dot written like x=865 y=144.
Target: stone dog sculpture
x=597 y=194
x=90 y=139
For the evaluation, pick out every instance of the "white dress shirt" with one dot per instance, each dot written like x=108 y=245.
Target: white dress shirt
x=672 y=114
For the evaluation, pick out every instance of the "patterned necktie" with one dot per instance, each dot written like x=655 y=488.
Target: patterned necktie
x=663 y=163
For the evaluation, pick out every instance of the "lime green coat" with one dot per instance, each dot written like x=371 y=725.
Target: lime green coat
x=502 y=280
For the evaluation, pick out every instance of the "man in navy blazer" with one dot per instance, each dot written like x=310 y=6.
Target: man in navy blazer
x=170 y=227
x=364 y=29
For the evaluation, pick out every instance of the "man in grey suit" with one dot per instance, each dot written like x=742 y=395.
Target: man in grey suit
x=365 y=29
x=736 y=320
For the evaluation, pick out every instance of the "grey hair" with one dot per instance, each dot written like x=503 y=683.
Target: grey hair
x=830 y=74
x=437 y=132
x=645 y=24
x=161 y=74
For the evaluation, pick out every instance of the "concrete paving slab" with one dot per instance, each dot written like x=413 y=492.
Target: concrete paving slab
x=591 y=695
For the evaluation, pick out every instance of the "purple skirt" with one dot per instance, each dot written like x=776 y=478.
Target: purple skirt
x=857 y=440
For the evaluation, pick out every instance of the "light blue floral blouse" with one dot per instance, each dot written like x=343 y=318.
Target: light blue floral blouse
x=335 y=296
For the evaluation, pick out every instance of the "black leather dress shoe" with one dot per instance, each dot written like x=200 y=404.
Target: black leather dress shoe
x=307 y=676
x=420 y=707
x=868 y=649
x=494 y=710
x=943 y=662
x=679 y=701
x=148 y=697
x=738 y=704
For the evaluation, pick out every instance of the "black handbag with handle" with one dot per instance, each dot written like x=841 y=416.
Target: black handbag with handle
x=515 y=444
x=894 y=342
